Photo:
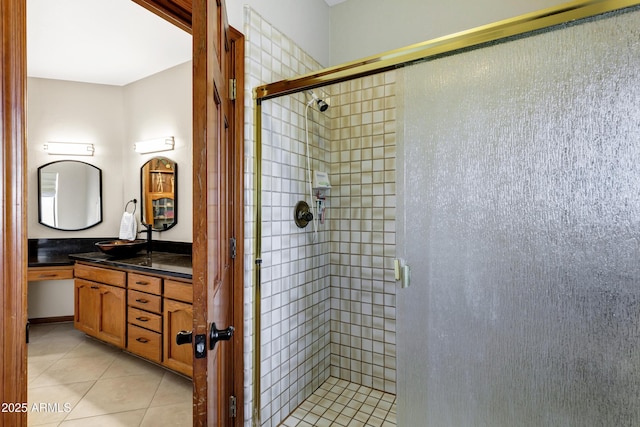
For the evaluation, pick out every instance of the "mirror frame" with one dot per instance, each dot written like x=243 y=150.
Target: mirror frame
x=175 y=192
x=39 y=173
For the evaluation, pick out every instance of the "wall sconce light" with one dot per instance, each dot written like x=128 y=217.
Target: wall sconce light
x=69 y=148
x=154 y=145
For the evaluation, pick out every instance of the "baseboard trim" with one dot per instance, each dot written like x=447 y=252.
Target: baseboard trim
x=57 y=319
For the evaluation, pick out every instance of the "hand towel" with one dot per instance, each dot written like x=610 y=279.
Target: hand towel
x=128 y=227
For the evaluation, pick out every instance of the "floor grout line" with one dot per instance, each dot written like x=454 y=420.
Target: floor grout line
x=348 y=404
x=121 y=410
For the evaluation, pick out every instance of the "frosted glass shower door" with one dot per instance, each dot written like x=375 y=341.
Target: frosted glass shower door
x=520 y=219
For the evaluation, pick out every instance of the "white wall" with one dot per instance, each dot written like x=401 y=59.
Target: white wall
x=72 y=112
x=157 y=106
x=76 y=112
x=50 y=298
x=112 y=118
x=357 y=28
x=305 y=21
x=362 y=28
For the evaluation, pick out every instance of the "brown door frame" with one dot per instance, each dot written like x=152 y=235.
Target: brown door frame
x=237 y=129
x=13 y=235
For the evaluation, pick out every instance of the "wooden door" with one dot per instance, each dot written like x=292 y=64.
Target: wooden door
x=217 y=214
x=212 y=279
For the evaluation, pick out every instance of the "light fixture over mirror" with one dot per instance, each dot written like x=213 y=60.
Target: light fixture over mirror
x=159 y=187
x=154 y=145
x=69 y=148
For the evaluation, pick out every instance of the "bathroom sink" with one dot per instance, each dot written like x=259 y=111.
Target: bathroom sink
x=121 y=248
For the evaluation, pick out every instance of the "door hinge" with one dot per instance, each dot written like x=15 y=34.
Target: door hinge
x=232 y=89
x=232 y=247
x=233 y=409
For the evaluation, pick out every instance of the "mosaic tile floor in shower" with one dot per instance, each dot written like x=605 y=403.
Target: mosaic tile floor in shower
x=341 y=403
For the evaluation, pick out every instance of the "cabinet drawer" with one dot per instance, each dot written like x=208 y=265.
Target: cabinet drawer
x=145 y=301
x=145 y=319
x=144 y=343
x=149 y=284
x=49 y=273
x=102 y=275
x=180 y=291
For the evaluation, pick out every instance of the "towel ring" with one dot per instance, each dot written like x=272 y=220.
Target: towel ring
x=134 y=201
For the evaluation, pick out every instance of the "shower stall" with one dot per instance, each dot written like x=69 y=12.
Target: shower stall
x=504 y=176
x=327 y=290
x=326 y=304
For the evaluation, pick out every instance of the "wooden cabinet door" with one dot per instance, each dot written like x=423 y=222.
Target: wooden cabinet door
x=86 y=317
x=112 y=314
x=177 y=316
x=100 y=311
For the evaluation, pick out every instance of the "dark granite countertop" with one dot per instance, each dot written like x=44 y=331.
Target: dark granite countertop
x=49 y=260
x=170 y=264
x=167 y=258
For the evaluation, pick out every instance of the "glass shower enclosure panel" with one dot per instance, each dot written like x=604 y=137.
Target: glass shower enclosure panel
x=519 y=215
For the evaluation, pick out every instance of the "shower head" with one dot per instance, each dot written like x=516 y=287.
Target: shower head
x=322 y=106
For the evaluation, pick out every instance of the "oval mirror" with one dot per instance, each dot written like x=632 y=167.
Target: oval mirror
x=69 y=195
x=159 y=184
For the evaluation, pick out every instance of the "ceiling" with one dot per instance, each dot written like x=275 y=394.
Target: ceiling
x=113 y=42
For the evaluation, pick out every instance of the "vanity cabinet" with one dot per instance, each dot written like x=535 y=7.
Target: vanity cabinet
x=100 y=303
x=140 y=313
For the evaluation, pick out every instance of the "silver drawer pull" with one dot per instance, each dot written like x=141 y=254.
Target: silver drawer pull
x=142 y=283
x=142 y=319
x=142 y=300
x=142 y=340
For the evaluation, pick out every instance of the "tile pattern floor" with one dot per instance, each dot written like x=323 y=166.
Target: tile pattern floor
x=77 y=381
x=341 y=403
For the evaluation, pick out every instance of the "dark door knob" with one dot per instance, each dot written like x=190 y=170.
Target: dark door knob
x=184 y=337
x=216 y=335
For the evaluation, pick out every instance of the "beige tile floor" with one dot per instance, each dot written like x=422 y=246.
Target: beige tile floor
x=341 y=403
x=77 y=381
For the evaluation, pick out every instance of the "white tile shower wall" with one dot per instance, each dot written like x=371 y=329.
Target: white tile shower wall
x=328 y=307
x=363 y=235
x=295 y=307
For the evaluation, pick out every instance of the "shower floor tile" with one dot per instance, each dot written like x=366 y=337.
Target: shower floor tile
x=341 y=403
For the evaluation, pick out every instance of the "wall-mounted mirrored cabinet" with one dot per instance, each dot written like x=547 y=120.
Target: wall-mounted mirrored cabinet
x=159 y=184
x=69 y=195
